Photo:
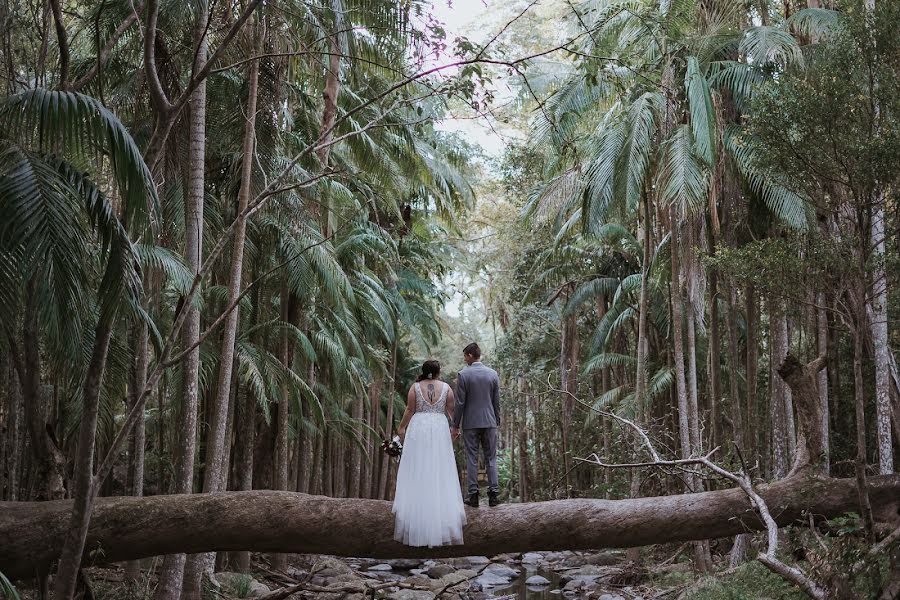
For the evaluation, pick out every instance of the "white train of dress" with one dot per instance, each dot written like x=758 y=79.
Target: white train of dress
x=428 y=503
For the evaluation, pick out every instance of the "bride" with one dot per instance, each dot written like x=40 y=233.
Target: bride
x=428 y=503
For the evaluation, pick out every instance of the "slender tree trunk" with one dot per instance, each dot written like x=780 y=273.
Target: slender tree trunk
x=779 y=391
x=879 y=303
x=568 y=374
x=822 y=378
x=368 y=467
x=715 y=360
x=215 y=472
x=282 y=447
x=737 y=414
x=684 y=408
x=14 y=436
x=859 y=400
x=138 y=434
x=643 y=346
x=389 y=422
x=76 y=536
x=172 y=573
x=524 y=466
x=51 y=463
x=752 y=372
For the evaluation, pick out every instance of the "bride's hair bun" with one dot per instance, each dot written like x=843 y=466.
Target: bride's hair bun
x=430 y=370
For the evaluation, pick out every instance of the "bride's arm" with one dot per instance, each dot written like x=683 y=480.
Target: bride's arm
x=410 y=411
x=451 y=404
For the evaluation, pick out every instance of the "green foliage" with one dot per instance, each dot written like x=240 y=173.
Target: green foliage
x=7 y=588
x=751 y=581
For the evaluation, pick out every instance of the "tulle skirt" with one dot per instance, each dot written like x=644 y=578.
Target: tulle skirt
x=428 y=503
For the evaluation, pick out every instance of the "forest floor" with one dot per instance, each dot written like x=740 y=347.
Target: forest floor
x=599 y=575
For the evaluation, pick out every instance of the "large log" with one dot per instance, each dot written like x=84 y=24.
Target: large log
x=31 y=533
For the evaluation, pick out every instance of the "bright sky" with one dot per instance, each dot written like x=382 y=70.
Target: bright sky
x=470 y=18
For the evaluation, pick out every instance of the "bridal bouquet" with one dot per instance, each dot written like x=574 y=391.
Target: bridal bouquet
x=393 y=447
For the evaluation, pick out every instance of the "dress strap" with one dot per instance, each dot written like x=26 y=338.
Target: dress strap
x=444 y=392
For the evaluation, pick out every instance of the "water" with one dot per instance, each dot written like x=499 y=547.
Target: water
x=518 y=590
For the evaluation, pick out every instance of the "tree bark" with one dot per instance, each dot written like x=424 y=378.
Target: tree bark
x=822 y=379
x=568 y=375
x=737 y=414
x=172 y=572
x=138 y=434
x=76 y=536
x=879 y=300
x=50 y=460
x=216 y=470
x=779 y=391
x=274 y=521
x=752 y=372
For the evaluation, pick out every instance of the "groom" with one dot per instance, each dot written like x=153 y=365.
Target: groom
x=478 y=411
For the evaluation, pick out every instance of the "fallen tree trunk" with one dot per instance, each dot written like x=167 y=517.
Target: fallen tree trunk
x=31 y=533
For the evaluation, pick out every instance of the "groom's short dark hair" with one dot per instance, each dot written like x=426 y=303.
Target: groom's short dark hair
x=472 y=350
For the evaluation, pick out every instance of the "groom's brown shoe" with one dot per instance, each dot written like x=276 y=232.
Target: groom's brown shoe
x=472 y=500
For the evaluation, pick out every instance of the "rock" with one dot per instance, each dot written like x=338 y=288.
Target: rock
x=477 y=560
x=601 y=558
x=502 y=571
x=417 y=571
x=532 y=557
x=440 y=570
x=411 y=595
x=450 y=579
x=405 y=563
x=258 y=589
x=611 y=597
x=593 y=570
x=581 y=579
x=329 y=567
x=488 y=579
x=558 y=556
x=419 y=581
x=537 y=580
x=381 y=567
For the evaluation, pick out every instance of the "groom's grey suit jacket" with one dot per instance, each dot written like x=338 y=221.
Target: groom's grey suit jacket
x=477 y=398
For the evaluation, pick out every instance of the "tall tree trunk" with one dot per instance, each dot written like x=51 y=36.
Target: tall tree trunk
x=13 y=438
x=389 y=421
x=879 y=301
x=246 y=441
x=643 y=346
x=138 y=434
x=822 y=377
x=568 y=374
x=368 y=468
x=282 y=447
x=778 y=390
x=714 y=359
x=172 y=572
x=859 y=399
x=752 y=371
x=85 y=484
x=737 y=414
x=684 y=408
x=354 y=483
x=51 y=463
x=215 y=472
x=524 y=466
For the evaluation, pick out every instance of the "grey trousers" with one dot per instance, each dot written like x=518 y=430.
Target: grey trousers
x=486 y=439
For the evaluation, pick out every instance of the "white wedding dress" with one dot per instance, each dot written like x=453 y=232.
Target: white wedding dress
x=428 y=504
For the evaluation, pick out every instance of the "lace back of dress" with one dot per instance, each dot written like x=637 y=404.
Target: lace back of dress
x=423 y=404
